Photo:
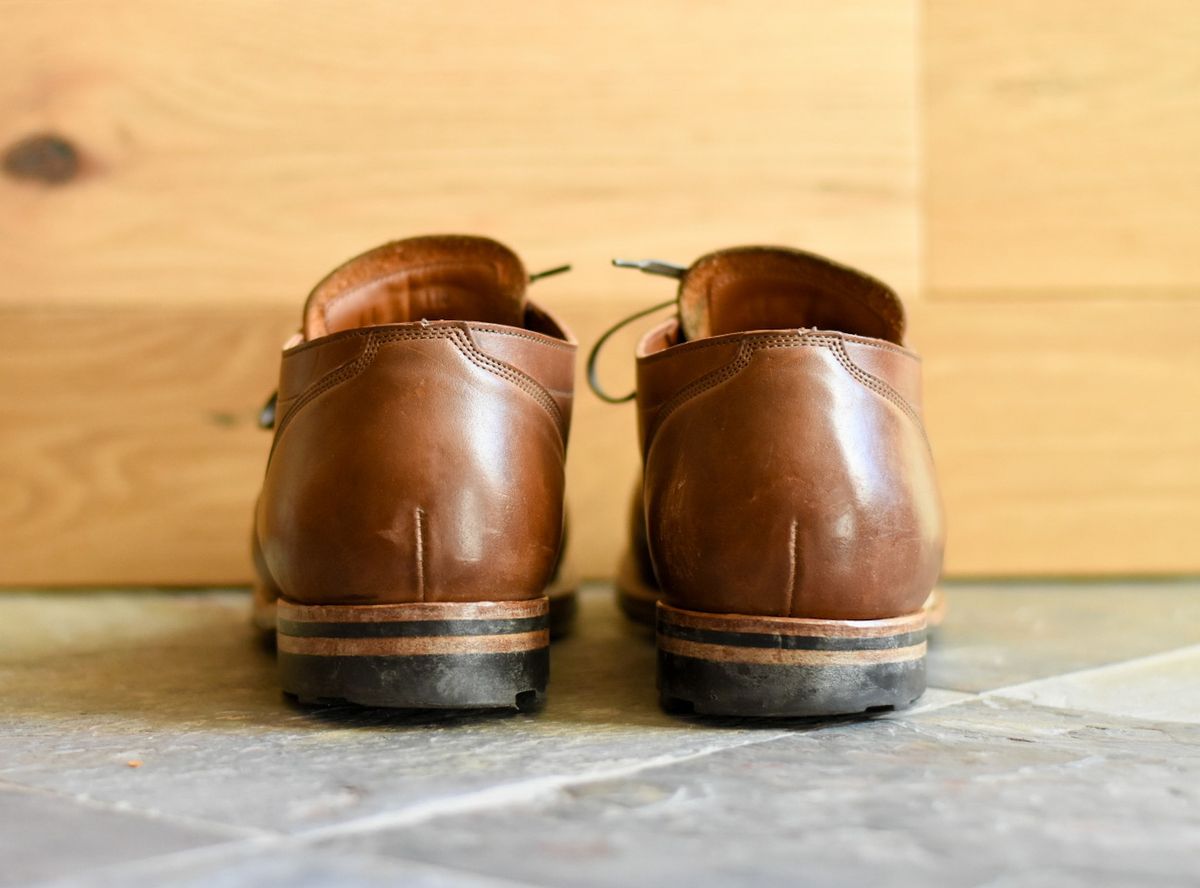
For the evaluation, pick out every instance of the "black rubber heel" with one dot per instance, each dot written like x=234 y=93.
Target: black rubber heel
x=714 y=664
x=479 y=655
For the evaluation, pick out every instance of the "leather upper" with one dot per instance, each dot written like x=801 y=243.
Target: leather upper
x=787 y=471
x=419 y=458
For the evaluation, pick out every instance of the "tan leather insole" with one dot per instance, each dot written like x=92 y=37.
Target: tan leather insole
x=757 y=288
x=447 y=277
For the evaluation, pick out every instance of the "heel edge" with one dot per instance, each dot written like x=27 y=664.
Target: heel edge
x=422 y=655
x=731 y=664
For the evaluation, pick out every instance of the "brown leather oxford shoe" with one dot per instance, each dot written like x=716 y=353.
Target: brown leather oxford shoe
x=408 y=536
x=788 y=528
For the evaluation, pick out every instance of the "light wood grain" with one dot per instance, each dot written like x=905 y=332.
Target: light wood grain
x=1062 y=319
x=131 y=453
x=1058 y=437
x=1061 y=149
x=1065 y=436
x=234 y=152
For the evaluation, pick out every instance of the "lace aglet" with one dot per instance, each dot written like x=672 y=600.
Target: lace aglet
x=652 y=266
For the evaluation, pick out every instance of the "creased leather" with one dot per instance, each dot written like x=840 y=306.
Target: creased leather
x=418 y=461
x=787 y=472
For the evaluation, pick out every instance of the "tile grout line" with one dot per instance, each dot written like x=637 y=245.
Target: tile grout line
x=234 y=833
x=482 y=800
x=521 y=792
x=531 y=790
x=1159 y=656
x=960 y=698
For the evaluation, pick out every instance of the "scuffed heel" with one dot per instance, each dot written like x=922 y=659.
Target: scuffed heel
x=728 y=664
x=490 y=654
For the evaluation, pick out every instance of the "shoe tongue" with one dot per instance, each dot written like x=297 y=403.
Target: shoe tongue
x=772 y=288
x=438 y=277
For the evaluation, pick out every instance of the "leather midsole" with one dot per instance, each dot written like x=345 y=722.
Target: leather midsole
x=785 y=657
x=742 y=638
x=413 y=646
x=412 y=629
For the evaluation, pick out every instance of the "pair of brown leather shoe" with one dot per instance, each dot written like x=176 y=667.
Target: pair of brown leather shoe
x=409 y=535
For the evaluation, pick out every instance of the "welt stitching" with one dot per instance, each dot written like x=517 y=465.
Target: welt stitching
x=456 y=336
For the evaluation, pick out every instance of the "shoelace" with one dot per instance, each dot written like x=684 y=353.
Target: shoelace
x=648 y=266
x=593 y=376
x=266 y=416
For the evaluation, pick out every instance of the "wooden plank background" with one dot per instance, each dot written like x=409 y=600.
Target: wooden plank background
x=1061 y=310
x=232 y=153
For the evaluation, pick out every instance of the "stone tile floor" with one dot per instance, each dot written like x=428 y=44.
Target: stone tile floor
x=143 y=742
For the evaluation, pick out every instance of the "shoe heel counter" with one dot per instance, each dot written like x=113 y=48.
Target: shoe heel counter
x=792 y=489
x=422 y=477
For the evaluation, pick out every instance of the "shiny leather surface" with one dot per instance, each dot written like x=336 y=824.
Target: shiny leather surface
x=787 y=472
x=417 y=457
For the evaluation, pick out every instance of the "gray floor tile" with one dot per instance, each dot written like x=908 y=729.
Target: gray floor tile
x=296 y=867
x=1007 y=634
x=191 y=697
x=51 y=624
x=601 y=788
x=972 y=794
x=1163 y=687
x=44 y=836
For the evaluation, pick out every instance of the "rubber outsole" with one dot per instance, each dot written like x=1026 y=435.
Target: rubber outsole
x=738 y=665
x=445 y=655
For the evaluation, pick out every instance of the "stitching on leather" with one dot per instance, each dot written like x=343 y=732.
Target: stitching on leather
x=340 y=374
x=688 y=347
x=549 y=341
x=883 y=346
x=345 y=370
x=874 y=383
x=710 y=380
x=506 y=371
x=356 y=333
x=712 y=343
x=746 y=351
x=457 y=337
x=367 y=331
